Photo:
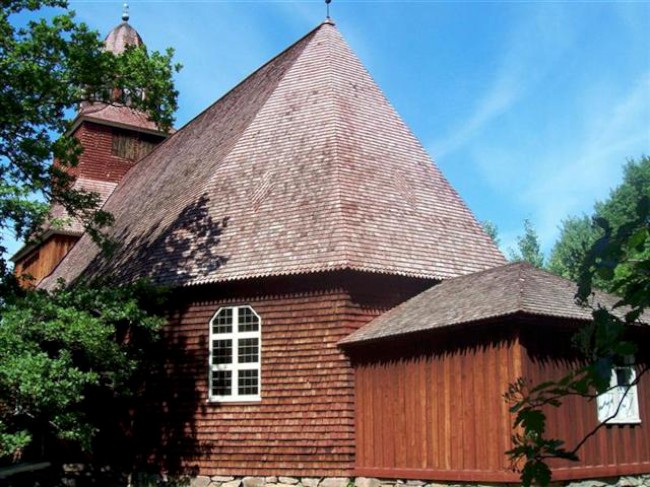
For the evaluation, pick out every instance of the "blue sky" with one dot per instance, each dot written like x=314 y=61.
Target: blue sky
x=529 y=108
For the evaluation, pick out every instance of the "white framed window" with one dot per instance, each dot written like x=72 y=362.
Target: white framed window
x=235 y=355
x=620 y=403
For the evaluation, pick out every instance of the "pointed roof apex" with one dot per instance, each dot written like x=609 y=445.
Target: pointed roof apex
x=122 y=35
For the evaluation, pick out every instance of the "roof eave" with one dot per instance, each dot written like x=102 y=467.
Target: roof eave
x=511 y=315
x=29 y=247
x=109 y=123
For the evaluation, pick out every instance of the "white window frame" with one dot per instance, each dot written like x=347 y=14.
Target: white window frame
x=234 y=366
x=620 y=403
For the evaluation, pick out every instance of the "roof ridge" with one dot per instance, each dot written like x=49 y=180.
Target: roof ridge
x=335 y=154
x=246 y=78
x=235 y=143
x=521 y=283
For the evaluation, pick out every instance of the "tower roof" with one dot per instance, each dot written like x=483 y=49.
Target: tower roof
x=303 y=167
x=122 y=36
x=118 y=114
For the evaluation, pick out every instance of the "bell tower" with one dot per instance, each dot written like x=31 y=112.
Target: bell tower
x=114 y=138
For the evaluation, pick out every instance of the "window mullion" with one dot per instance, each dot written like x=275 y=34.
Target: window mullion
x=248 y=372
x=235 y=353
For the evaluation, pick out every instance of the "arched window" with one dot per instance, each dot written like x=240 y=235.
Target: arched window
x=235 y=354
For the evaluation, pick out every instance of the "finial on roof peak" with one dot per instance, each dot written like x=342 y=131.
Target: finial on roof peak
x=327 y=3
x=122 y=36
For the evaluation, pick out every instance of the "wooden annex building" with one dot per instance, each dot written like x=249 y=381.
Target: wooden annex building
x=339 y=312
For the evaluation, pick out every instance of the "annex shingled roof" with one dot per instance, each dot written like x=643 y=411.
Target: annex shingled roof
x=511 y=289
x=302 y=167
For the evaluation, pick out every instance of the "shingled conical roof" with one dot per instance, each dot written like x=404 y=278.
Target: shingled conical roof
x=303 y=167
x=121 y=37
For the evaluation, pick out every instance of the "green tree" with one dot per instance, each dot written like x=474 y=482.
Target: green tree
x=492 y=230
x=620 y=259
x=59 y=350
x=48 y=68
x=528 y=248
x=578 y=234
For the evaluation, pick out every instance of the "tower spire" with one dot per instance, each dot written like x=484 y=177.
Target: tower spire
x=327 y=3
x=125 y=12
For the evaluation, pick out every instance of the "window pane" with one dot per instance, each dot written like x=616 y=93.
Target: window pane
x=221 y=351
x=248 y=382
x=221 y=383
x=623 y=376
x=222 y=323
x=247 y=320
x=248 y=350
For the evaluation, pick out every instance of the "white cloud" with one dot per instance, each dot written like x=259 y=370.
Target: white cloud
x=531 y=51
x=574 y=177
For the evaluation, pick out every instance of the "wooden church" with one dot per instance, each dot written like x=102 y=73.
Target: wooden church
x=339 y=312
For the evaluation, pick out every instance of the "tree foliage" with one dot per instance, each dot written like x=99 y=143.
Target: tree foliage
x=619 y=258
x=59 y=350
x=492 y=230
x=528 y=247
x=578 y=234
x=48 y=68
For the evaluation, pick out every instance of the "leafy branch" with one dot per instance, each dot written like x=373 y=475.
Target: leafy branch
x=49 y=68
x=620 y=254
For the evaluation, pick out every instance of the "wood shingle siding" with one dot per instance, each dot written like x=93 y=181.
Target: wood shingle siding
x=304 y=423
x=100 y=161
x=99 y=170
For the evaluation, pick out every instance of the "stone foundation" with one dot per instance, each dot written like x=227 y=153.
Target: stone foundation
x=220 y=481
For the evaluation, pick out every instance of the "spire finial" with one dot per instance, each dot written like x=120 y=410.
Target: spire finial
x=327 y=3
x=125 y=12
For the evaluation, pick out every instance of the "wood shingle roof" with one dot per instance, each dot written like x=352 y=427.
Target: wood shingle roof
x=117 y=116
x=303 y=167
x=509 y=290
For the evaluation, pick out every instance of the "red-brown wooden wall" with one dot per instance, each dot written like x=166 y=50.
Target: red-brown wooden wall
x=432 y=407
x=613 y=450
x=304 y=423
x=97 y=160
x=40 y=262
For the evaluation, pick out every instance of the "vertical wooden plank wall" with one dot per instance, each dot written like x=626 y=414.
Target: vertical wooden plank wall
x=613 y=450
x=435 y=409
x=41 y=261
